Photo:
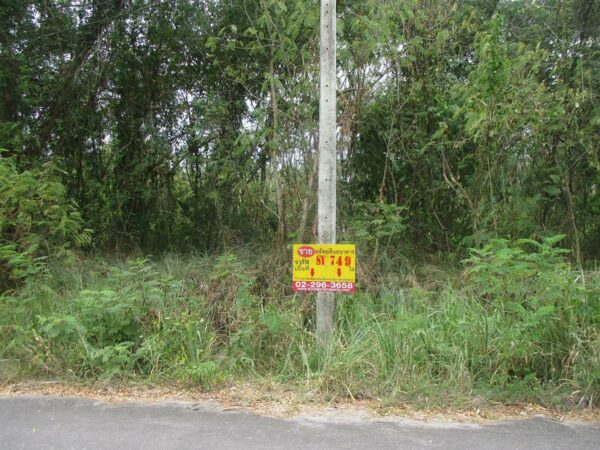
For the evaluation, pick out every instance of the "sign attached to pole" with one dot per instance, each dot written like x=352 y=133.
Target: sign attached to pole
x=324 y=268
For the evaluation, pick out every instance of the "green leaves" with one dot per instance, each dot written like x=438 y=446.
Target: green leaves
x=36 y=219
x=526 y=271
x=192 y=124
x=66 y=326
x=377 y=220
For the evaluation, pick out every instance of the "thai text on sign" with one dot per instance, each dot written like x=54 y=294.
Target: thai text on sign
x=324 y=267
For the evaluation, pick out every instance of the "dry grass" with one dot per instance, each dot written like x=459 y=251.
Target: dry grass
x=275 y=400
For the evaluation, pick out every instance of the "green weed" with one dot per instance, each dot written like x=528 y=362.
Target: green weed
x=518 y=325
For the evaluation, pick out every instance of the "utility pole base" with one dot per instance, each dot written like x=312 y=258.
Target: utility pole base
x=325 y=317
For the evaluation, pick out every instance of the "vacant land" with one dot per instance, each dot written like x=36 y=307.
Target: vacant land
x=516 y=326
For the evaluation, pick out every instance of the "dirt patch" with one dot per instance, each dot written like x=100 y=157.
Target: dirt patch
x=273 y=400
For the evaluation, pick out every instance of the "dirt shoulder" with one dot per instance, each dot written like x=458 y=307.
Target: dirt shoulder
x=275 y=401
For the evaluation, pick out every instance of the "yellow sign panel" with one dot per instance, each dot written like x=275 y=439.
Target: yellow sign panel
x=324 y=267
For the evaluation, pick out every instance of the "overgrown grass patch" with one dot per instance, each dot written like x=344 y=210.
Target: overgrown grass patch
x=518 y=325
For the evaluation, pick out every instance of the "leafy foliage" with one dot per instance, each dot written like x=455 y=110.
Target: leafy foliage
x=524 y=328
x=36 y=220
x=466 y=129
x=186 y=127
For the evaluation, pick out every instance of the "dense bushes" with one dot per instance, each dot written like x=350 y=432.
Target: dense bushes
x=518 y=325
x=36 y=219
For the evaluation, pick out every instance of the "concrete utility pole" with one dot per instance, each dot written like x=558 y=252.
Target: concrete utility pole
x=326 y=214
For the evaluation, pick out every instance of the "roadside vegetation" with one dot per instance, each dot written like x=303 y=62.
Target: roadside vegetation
x=158 y=160
x=516 y=324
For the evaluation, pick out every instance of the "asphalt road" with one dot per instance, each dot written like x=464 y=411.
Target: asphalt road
x=73 y=423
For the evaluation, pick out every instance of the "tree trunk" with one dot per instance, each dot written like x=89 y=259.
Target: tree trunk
x=279 y=200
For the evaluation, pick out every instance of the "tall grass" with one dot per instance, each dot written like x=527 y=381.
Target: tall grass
x=517 y=324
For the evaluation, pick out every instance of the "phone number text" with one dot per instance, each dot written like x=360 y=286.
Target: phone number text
x=323 y=286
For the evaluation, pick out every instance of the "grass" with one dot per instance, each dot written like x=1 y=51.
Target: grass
x=515 y=324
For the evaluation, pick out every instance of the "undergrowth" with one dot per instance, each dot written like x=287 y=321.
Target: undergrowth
x=517 y=324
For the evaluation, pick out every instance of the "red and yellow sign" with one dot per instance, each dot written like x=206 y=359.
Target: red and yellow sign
x=324 y=267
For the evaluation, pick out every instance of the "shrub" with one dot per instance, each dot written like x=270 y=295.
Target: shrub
x=36 y=220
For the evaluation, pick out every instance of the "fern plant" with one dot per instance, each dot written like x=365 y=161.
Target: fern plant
x=36 y=220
